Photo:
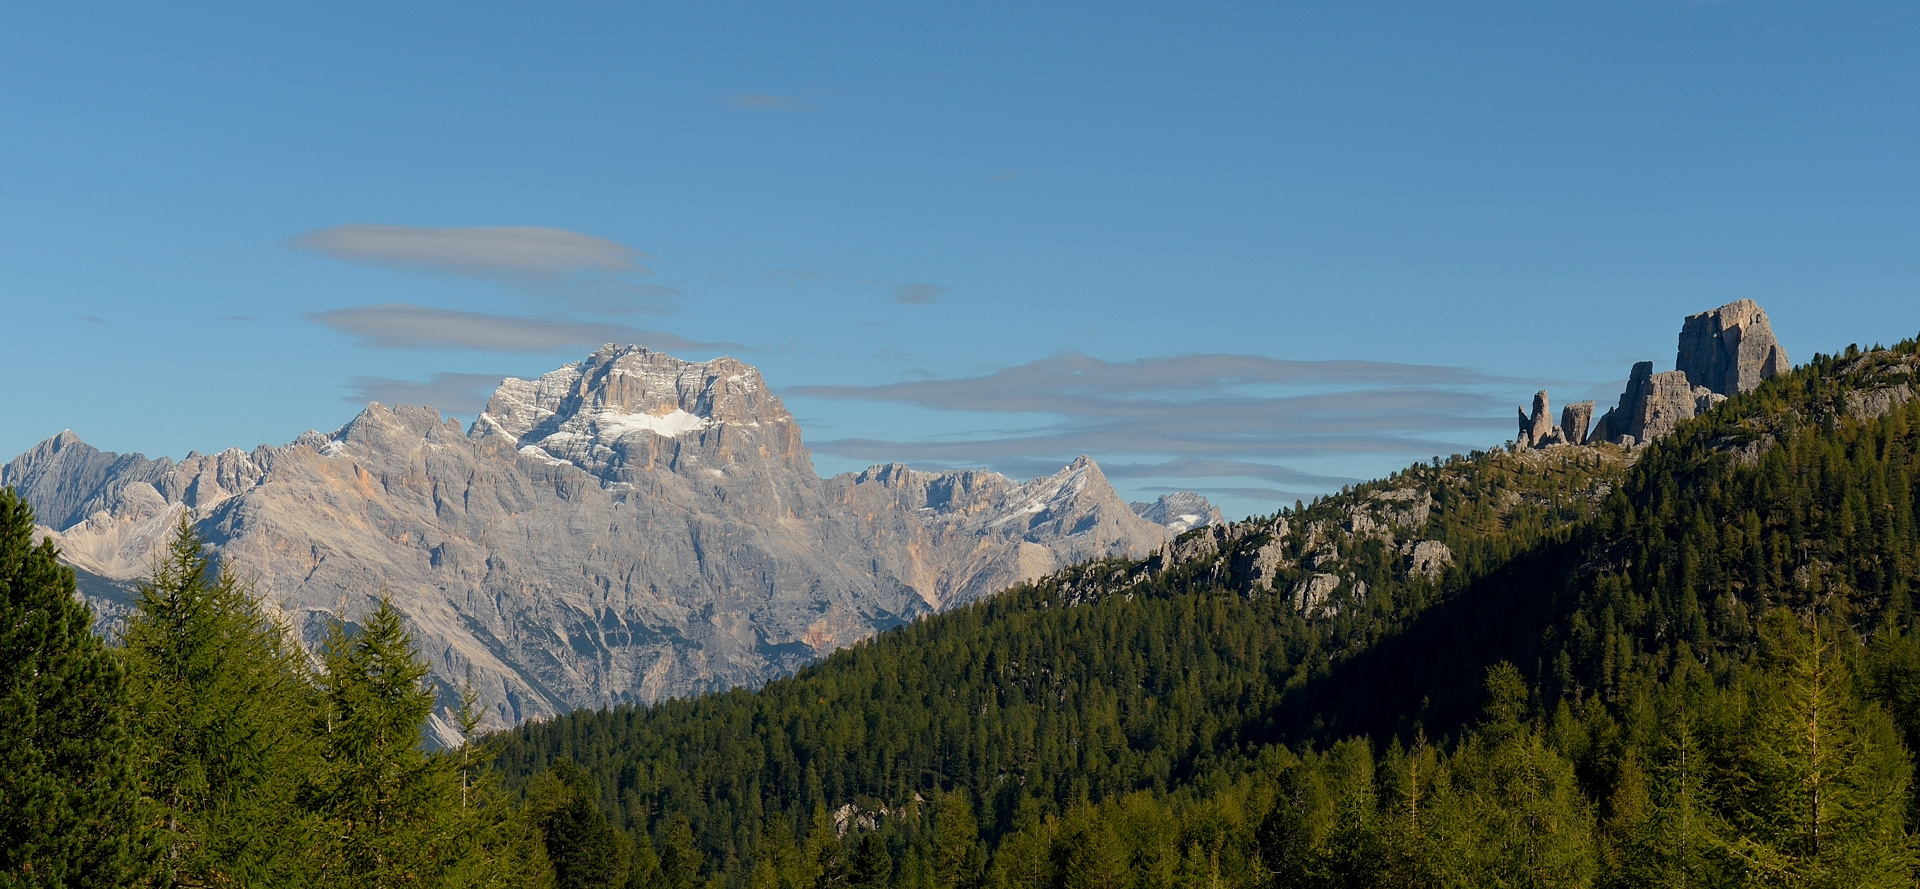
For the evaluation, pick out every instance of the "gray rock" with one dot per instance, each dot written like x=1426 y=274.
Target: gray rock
x=1574 y=420
x=1179 y=511
x=1730 y=349
x=1664 y=401
x=1541 y=423
x=627 y=528
x=1312 y=595
x=1427 y=558
x=1263 y=565
x=1868 y=404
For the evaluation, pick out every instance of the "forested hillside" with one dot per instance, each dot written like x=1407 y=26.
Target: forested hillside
x=1603 y=644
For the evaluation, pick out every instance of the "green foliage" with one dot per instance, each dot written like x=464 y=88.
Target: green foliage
x=219 y=694
x=584 y=849
x=247 y=766
x=66 y=788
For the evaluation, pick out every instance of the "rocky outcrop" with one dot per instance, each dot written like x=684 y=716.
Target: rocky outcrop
x=1722 y=353
x=1427 y=558
x=1574 y=419
x=1537 y=430
x=626 y=528
x=1313 y=595
x=1179 y=511
x=1730 y=349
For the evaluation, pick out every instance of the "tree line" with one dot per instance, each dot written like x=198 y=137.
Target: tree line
x=205 y=747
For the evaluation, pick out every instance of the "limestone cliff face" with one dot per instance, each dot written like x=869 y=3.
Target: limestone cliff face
x=1730 y=349
x=627 y=528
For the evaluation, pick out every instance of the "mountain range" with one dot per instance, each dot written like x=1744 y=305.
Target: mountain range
x=625 y=528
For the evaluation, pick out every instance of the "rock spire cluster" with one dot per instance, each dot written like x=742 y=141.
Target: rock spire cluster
x=1722 y=353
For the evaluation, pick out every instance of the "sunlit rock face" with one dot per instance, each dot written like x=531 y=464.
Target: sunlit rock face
x=1730 y=349
x=625 y=528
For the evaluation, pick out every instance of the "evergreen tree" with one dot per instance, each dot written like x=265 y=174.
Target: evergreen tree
x=957 y=859
x=66 y=788
x=221 y=700
x=381 y=795
x=680 y=858
x=585 y=850
x=1820 y=792
x=872 y=864
x=1678 y=840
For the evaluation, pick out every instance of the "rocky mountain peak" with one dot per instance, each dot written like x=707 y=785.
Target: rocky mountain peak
x=1179 y=511
x=628 y=409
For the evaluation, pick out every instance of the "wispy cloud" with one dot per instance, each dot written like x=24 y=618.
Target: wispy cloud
x=912 y=293
x=767 y=102
x=1191 y=467
x=406 y=326
x=452 y=394
x=1072 y=382
x=517 y=251
x=545 y=265
x=1198 y=416
x=916 y=294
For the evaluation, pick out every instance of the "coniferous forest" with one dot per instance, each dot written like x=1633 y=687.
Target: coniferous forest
x=1694 y=665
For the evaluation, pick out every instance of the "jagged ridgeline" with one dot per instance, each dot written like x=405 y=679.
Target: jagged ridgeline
x=1179 y=681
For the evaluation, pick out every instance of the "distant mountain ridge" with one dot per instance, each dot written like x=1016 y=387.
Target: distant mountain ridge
x=629 y=527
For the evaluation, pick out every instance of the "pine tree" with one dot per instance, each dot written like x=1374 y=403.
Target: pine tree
x=872 y=864
x=1678 y=842
x=957 y=860
x=586 y=851
x=66 y=789
x=680 y=859
x=379 y=792
x=221 y=698
x=1820 y=795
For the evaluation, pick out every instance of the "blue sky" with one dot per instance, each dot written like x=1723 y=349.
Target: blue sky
x=1249 y=249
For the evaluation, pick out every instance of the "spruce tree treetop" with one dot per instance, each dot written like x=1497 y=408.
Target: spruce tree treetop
x=66 y=790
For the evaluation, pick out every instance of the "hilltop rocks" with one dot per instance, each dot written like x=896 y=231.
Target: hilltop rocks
x=1538 y=430
x=1722 y=353
x=1730 y=349
x=1312 y=595
x=1574 y=419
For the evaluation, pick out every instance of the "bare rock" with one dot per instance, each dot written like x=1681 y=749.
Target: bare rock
x=1730 y=349
x=1313 y=594
x=1574 y=420
x=1541 y=421
x=1261 y=566
x=1427 y=558
x=1868 y=404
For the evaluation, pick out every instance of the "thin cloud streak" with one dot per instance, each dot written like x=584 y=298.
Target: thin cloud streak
x=1190 y=467
x=1196 y=416
x=1062 y=380
x=767 y=102
x=917 y=294
x=407 y=326
x=483 y=251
